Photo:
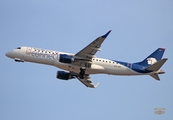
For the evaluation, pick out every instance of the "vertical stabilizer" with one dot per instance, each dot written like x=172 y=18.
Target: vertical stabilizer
x=153 y=58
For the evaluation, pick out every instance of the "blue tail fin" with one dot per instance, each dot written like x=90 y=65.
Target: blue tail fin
x=154 y=57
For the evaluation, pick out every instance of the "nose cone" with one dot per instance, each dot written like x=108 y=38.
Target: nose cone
x=8 y=54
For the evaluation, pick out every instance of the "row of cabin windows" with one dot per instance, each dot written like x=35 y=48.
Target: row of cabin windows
x=104 y=61
x=45 y=51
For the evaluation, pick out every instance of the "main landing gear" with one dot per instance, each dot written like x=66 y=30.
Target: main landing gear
x=82 y=73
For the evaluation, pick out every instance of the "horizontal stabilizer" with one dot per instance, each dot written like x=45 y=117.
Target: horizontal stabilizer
x=155 y=76
x=156 y=66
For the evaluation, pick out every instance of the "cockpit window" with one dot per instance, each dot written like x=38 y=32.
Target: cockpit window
x=18 y=48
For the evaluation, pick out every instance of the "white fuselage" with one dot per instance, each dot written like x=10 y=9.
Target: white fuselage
x=50 y=57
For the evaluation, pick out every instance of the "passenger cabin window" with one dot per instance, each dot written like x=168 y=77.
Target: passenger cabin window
x=18 y=48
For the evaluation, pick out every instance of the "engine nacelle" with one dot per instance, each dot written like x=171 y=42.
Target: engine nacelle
x=64 y=75
x=64 y=58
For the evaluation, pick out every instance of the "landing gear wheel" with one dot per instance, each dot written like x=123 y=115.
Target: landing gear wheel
x=82 y=73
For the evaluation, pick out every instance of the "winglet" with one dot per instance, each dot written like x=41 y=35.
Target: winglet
x=96 y=85
x=104 y=36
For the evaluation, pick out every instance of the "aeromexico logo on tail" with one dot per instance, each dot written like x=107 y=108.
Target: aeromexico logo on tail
x=151 y=61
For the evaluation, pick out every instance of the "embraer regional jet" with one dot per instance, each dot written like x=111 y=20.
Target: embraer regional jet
x=84 y=63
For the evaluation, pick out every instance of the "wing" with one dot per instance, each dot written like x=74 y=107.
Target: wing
x=84 y=57
x=87 y=82
x=89 y=51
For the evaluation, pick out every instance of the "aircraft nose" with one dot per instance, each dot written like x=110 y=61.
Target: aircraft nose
x=8 y=54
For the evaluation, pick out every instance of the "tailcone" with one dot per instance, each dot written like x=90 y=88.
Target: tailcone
x=160 y=72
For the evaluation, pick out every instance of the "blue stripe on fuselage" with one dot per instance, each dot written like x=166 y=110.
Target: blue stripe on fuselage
x=133 y=66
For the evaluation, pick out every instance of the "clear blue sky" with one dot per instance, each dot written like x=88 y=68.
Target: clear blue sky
x=31 y=91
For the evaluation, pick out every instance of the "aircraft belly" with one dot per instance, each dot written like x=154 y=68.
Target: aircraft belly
x=122 y=70
x=97 y=69
x=34 y=59
x=94 y=69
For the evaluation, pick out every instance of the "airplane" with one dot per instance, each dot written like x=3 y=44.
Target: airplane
x=84 y=63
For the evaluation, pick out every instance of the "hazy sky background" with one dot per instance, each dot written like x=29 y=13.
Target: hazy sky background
x=31 y=91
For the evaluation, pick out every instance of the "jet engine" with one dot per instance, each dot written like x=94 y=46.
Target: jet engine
x=64 y=75
x=64 y=58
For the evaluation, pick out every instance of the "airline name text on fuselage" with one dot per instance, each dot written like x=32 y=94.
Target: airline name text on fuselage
x=48 y=54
